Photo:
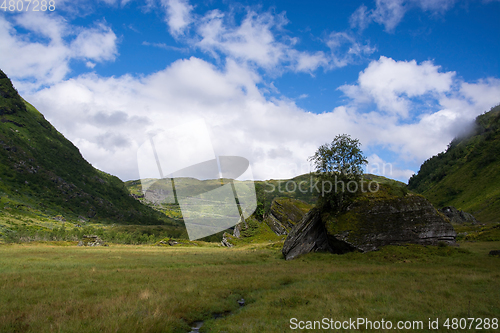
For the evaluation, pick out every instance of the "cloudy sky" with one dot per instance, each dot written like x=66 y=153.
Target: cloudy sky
x=270 y=81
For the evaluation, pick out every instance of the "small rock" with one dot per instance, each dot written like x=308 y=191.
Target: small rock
x=225 y=241
x=241 y=302
x=458 y=216
x=91 y=240
x=494 y=253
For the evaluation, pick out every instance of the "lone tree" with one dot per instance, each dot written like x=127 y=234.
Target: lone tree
x=339 y=165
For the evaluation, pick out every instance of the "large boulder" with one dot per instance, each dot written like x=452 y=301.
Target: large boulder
x=285 y=213
x=370 y=224
x=386 y=217
x=458 y=216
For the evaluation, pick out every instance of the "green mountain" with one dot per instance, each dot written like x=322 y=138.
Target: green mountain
x=467 y=174
x=43 y=174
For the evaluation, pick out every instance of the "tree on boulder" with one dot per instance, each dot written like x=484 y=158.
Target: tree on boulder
x=339 y=166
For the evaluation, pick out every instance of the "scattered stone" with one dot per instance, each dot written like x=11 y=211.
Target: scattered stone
x=196 y=326
x=91 y=240
x=494 y=253
x=172 y=242
x=458 y=216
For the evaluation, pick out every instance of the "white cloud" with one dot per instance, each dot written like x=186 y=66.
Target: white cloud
x=485 y=93
x=390 y=13
x=252 y=41
x=98 y=44
x=360 y=18
x=391 y=84
x=53 y=51
x=260 y=40
x=345 y=49
x=402 y=107
x=109 y=117
x=376 y=165
x=178 y=15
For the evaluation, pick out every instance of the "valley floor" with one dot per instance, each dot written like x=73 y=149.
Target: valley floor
x=59 y=287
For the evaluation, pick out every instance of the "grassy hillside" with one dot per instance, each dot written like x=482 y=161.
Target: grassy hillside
x=467 y=175
x=42 y=174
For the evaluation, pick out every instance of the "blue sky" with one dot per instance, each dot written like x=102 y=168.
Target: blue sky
x=271 y=80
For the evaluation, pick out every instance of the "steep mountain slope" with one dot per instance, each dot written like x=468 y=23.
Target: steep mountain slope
x=467 y=175
x=42 y=173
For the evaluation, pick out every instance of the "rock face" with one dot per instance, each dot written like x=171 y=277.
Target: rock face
x=371 y=221
x=225 y=241
x=458 y=216
x=370 y=224
x=308 y=235
x=285 y=213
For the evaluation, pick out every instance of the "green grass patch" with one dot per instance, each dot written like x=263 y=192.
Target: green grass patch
x=47 y=288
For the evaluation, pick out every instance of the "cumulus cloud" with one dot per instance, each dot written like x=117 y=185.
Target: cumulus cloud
x=111 y=117
x=97 y=44
x=408 y=109
x=391 y=84
x=55 y=43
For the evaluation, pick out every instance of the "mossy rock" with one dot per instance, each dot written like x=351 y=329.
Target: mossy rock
x=373 y=221
x=388 y=216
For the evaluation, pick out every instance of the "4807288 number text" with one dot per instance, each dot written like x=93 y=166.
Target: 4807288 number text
x=28 y=5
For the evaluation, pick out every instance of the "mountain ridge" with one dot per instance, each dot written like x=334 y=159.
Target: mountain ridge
x=467 y=174
x=42 y=173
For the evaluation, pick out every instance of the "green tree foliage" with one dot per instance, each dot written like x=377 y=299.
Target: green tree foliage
x=338 y=165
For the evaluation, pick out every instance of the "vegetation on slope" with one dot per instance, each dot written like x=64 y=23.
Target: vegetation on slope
x=42 y=174
x=467 y=174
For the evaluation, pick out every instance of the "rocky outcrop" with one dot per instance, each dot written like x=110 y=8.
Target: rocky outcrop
x=242 y=225
x=285 y=213
x=370 y=224
x=309 y=235
x=225 y=241
x=373 y=220
x=458 y=216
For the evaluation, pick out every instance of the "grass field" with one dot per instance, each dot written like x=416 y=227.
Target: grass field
x=59 y=287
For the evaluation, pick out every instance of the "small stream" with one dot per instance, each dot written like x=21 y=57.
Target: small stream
x=195 y=326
